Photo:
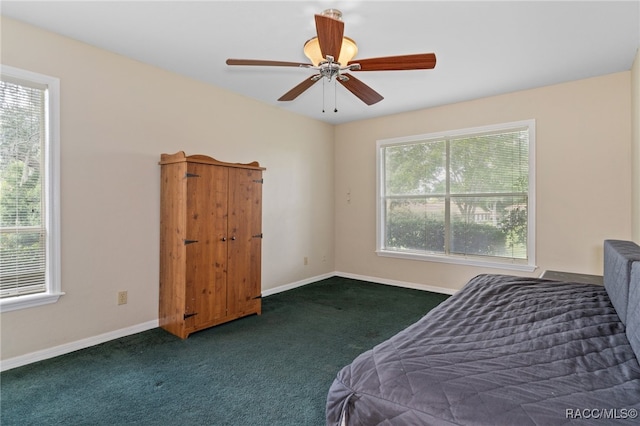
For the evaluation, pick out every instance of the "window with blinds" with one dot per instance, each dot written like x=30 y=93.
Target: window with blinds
x=27 y=219
x=462 y=196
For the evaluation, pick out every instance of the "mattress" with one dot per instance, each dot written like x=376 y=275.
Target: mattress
x=504 y=350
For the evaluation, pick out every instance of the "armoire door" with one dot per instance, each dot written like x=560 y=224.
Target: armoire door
x=206 y=251
x=245 y=232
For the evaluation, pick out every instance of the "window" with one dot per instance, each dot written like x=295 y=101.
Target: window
x=29 y=236
x=464 y=196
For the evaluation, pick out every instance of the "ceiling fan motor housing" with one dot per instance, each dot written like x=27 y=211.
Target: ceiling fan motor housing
x=332 y=13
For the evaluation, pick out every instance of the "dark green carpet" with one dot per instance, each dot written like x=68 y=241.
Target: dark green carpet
x=273 y=369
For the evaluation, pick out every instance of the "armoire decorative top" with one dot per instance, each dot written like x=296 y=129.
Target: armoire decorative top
x=180 y=157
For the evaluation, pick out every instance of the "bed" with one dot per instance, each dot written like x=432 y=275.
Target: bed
x=508 y=350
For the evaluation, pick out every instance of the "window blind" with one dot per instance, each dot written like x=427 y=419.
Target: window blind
x=463 y=195
x=22 y=212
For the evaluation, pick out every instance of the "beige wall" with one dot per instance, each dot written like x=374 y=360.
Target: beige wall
x=635 y=117
x=118 y=116
x=583 y=176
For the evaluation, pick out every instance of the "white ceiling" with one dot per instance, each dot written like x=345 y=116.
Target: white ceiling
x=482 y=48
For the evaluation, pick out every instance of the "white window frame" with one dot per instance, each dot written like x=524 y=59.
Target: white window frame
x=51 y=192
x=489 y=262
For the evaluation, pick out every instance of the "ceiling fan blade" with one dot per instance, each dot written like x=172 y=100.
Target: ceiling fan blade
x=361 y=90
x=330 y=32
x=420 y=61
x=297 y=91
x=259 y=62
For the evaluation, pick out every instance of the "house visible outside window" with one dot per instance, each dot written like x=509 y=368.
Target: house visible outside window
x=465 y=196
x=29 y=200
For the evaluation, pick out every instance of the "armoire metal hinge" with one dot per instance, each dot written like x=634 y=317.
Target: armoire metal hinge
x=191 y=175
x=257 y=235
x=190 y=242
x=258 y=180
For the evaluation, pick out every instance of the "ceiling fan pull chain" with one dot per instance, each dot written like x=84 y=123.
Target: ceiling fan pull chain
x=323 y=95
x=335 y=95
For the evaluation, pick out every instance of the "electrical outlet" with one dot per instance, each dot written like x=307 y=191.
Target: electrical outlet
x=122 y=298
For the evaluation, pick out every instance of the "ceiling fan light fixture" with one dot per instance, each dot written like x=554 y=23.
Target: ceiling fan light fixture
x=348 y=51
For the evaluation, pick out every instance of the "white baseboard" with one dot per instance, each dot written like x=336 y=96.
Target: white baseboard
x=41 y=355
x=296 y=284
x=19 y=361
x=377 y=280
x=405 y=284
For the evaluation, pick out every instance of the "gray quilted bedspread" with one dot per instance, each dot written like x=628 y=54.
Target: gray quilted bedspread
x=504 y=350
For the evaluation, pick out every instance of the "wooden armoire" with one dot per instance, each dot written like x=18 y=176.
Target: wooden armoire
x=210 y=242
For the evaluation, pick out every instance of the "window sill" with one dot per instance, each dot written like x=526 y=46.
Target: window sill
x=458 y=260
x=30 y=301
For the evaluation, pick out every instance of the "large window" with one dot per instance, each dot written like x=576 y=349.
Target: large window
x=29 y=240
x=464 y=196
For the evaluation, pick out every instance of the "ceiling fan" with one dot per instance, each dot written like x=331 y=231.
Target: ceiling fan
x=332 y=56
